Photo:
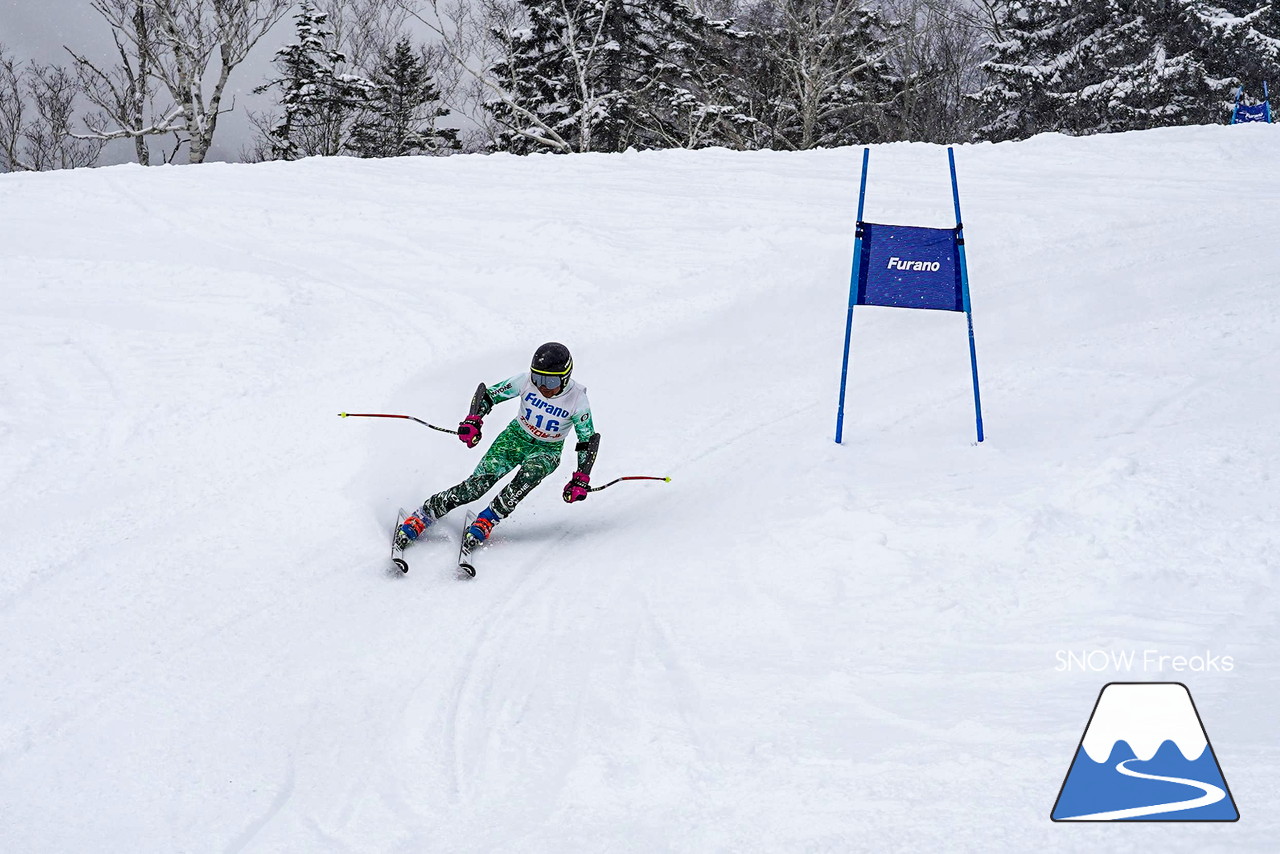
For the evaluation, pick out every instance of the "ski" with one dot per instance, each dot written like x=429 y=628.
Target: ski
x=465 y=562
x=397 y=553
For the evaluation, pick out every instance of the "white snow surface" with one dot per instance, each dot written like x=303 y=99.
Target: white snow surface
x=793 y=646
x=1144 y=716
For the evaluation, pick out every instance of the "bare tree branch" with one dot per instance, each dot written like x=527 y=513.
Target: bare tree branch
x=125 y=92
x=189 y=33
x=13 y=116
x=41 y=140
x=365 y=30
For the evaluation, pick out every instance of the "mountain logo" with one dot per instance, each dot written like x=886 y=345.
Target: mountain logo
x=1145 y=756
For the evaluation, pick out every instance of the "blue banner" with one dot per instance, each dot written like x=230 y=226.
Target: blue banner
x=905 y=266
x=1254 y=113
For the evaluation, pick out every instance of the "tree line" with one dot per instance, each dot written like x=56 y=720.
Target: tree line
x=380 y=78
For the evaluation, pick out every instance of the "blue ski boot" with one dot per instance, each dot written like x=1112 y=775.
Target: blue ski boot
x=483 y=525
x=413 y=526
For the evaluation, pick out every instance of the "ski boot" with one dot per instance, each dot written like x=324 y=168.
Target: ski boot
x=483 y=525
x=413 y=526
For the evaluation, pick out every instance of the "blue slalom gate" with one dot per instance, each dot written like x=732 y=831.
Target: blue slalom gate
x=1242 y=113
x=906 y=266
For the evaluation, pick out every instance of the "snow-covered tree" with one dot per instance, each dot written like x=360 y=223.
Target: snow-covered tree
x=1253 y=33
x=695 y=100
x=1093 y=66
x=607 y=75
x=320 y=105
x=401 y=114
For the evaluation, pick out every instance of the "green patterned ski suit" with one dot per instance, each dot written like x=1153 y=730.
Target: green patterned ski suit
x=517 y=446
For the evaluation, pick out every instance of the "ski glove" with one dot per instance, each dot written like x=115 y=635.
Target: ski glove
x=576 y=489
x=469 y=430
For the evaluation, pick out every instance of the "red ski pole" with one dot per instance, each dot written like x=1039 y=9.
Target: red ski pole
x=632 y=477
x=406 y=417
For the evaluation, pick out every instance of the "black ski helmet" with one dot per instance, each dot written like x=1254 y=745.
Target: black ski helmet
x=551 y=367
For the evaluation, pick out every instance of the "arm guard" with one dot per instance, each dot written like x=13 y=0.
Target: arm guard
x=481 y=403
x=587 y=453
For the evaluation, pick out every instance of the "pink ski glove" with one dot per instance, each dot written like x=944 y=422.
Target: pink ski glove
x=576 y=489
x=469 y=430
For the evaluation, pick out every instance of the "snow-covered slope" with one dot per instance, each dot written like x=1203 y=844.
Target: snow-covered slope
x=793 y=646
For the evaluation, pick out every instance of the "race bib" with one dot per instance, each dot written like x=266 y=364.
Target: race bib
x=550 y=419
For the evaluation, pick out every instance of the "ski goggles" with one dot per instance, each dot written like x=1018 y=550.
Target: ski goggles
x=551 y=381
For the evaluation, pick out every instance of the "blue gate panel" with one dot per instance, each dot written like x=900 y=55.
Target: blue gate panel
x=905 y=266
x=1254 y=113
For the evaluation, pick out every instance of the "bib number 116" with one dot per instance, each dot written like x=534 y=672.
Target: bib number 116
x=552 y=425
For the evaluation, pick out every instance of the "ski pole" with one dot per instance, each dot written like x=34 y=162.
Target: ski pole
x=406 y=417
x=632 y=477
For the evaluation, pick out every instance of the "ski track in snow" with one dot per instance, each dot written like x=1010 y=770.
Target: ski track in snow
x=792 y=646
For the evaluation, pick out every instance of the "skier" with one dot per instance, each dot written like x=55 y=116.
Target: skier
x=550 y=402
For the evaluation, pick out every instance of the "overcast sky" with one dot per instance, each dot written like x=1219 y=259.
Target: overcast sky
x=37 y=29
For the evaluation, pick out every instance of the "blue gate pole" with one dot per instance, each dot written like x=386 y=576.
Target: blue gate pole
x=853 y=294
x=1266 y=100
x=964 y=291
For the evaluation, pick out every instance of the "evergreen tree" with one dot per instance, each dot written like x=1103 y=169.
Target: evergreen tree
x=1254 y=34
x=686 y=93
x=606 y=75
x=402 y=112
x=320 y=103
x=1094 y=66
